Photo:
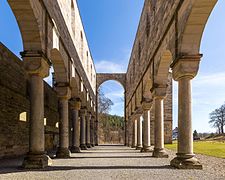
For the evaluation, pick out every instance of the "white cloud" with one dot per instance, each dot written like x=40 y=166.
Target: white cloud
x=110 y=67
x=207 y=94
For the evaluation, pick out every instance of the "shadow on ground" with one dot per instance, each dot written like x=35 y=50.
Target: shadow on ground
x=68 y=168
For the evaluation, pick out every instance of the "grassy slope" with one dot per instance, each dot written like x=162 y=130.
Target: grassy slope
x=210 y=148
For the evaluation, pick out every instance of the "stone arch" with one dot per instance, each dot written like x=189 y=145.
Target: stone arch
x=147 y=85
x=162 y=72
x=74 y=83
x=119 y=77
x=28 y=22
x=190 y=39
x=59 y=66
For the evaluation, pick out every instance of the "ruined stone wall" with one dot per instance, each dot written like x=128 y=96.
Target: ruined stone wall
x=14 y=100
x=155 y=35
x=71 y=14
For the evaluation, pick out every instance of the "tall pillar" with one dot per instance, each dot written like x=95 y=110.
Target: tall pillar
x=83 y=129
x=96 y=132
x=146 y=106
x=159 y=94
x=88 y=130
x=184 y=71
x=92 y=131
x=125 y=133
x=63 y=93
x=37 y=68
x=134 y=144
x=75 y=105
x=139 y=133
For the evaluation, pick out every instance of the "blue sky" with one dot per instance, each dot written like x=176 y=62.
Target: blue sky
x=111 y=26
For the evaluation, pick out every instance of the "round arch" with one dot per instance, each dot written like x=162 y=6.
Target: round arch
x=190 y=39
x=27 y=20
x=161 y=77
x=119 y=77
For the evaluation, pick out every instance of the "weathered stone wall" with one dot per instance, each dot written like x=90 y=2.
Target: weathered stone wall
x=74 y=23
x=14 y=100
x=154 y=43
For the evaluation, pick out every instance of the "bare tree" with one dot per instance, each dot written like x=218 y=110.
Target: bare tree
x=104 y=103
x=217 y=119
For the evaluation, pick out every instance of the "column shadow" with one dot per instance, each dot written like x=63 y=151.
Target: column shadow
x=69 y=168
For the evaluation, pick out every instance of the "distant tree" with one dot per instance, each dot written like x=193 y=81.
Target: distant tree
x=217 y=119
x=104 y=103
x=108 y=123
x=195 y=134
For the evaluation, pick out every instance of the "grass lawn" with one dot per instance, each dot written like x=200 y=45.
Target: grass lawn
x=210 y=148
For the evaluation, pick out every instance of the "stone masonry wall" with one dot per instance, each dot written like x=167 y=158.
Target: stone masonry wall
x=14 y=100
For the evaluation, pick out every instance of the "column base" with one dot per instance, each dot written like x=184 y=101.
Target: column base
x=147 y=149
x=139 y=147
x=96 y=144
x=75 y=149
x=83 y=147
x=92 y=145
x=160 y=153
x=63 y=153
x=36 y=161
x=133 y=146
x=185 y=161
x=88 y=145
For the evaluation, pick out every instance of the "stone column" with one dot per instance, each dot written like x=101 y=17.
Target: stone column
x=92 y=131
x=38 y=68
x=159 y=94
x=146 y=106
x=134 y=145
x=88 y=130
x=75 y=105
x=184 y=70
x=83 y=129
x=139 y=133
x=125 y=133
x=63 y=93
x=96 y=132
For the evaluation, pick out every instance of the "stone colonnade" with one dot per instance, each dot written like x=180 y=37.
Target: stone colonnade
x=38 y=68
x=183 y=71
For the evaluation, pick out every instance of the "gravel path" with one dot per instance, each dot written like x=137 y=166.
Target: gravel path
x=114 y=163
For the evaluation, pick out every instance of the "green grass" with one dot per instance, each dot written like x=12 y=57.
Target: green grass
x=210 y=148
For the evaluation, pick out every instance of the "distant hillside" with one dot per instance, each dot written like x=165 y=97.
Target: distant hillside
x=111 y=129
x=216 y=137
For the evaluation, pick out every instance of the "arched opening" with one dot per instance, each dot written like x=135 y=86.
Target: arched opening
x=10 y=34
x=111 y=113
x=208 y=86
x=211 y=73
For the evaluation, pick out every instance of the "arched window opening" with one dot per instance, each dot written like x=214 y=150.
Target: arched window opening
x=23 y=117
x=73 y=24
x=87 y=63
x=45 y=121
x=81 y=45
x=57 y=125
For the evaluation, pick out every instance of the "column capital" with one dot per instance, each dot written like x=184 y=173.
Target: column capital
x=186 y=66
x=83 y=111
x=159 y=91
x=147 y=105
x=88 y=114
x=75 y=103
x=35 y=63
x=63 y=91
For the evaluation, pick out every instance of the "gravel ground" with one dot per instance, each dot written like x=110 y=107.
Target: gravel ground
x=114 y=163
